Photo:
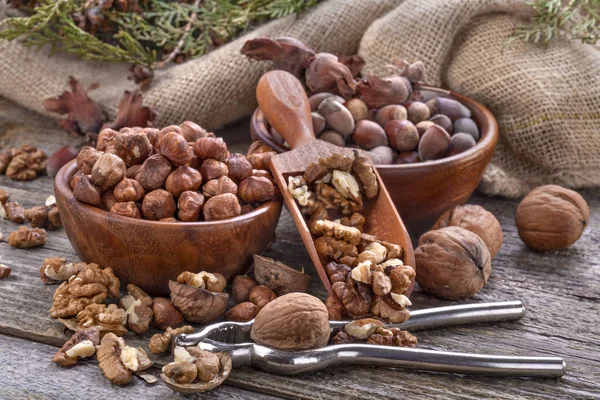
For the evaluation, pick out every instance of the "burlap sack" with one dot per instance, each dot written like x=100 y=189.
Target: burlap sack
x=546 y=100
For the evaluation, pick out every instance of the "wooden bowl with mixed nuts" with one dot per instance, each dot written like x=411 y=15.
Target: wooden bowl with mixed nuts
x=152 y=204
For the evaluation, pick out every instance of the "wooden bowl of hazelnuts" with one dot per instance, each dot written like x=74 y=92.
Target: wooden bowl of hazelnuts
x=431 y=150
x=154 y=203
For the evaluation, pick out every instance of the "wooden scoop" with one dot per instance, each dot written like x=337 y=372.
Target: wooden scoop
x=285 y=105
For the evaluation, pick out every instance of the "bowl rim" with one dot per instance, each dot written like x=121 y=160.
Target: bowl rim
x=488 y=139
x=63 y=189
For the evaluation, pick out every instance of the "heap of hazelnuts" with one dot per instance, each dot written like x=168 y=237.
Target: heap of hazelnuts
x=178 y=173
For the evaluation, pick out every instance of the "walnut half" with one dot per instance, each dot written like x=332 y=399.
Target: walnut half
x=118 y=361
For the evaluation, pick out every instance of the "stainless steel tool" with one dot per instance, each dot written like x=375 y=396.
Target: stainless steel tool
x=234 y=338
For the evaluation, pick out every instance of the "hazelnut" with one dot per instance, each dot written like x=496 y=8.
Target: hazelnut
x=192 y=131
x=239 y=167
x=423 y=126
x=152 y=135
x=295 y=321
x=318 y=98
x=358 y=109
x=368 y=134
x=126 y=209
x=107 y=171
x=86 y=159
x=133 y=171
x=449 y=107
x=391 y=112
x=174 y=147
x=196 y=163
x=133 y=147
x=190 y=206
x=460 y=142
x=154 y=172
x=242 y=312
x=382 y=155
x=466 y=125
x=241 y=287
x=165 y=130
x=108 y=200
x=337 y=116
x=14 y=212
x=409 y=157
x=222 y=206
x=256 y=189
x=164 y=314
x=452 y=263
x=402 y=134
x=222 y=185
x=182 y=179
x=84 y=190
x=434 y=143
x=106 y=140
x=128 y=190
x=213 y=169
x=260 y=161
x=209 y=147
x=551 y=217
x=333 y=137
x=259 y=147
x=158 y=204
x=318 y=122
x=261 y=296
x=443 y=121
x=477 y=220
x=417 y=112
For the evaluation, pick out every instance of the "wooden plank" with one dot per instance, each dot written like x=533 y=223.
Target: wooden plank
x=561 y=290
x=28 y=373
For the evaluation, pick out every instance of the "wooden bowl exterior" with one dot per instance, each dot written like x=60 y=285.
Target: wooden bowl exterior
x=149 y=254
x=421 y=192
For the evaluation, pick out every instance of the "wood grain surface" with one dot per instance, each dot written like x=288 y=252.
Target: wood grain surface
x=561 y=290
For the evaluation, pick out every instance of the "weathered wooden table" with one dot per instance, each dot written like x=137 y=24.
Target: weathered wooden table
x=560 y=289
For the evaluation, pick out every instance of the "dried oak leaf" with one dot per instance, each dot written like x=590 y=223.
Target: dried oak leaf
x=131 y=112
x=287 y=53
x=83 y=114
x=80 y=345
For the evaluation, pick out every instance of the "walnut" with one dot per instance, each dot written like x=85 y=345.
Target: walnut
x=366 y=176
x=241 y=287
x=126 y=209
x=27 y=237
x=551 y=217
x=213 y=282
x=356 y=220
x=107 y=318
x=139 y=312
x=337 y=272
x=108 y=170
x=190 y=206
x=331 y=198
x=182 y=179
x=242 y=312
x=337 y=161
x=211 y=148
x=14 y=212
x=261 y=295
x=181 y=372
x=212 y=369
x=80 y=345
x=192 y=131
x=334 y=248
x=223 y=206
x=86 y=159
x=299 y=190
x=154 y=172
x=401 y=276
x=343 y=337
x=85 y=191
x=46 y=217
x=355 y=296
x=338 y=231
x=452 y=263
x=314 y=172
x=27 y=162
x=208 y=363
x=387 y=308
x=197 y=305
x=222 y=185
x=5 y=157
x=477 y=220
x=128 y=190
x=362 y=273
x=133 y=147
x=5 y=271
x=117 y=360
x=55 y=270
x=381 y=284
x=158 y=204
x=374 y=252
x=392 y=337
x=164 y=314
x=346 y=185
x=393 y=250
x=295 y=321
x=91 y=285
x=363 y=328
x=256 y=189
x=238 y=166
x=334 y=308
x=213 y=169
x=160 y=343
x=173 y=146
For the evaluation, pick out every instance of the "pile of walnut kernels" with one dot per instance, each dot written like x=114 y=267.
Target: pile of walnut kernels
x=366 y=273
x=178 y=173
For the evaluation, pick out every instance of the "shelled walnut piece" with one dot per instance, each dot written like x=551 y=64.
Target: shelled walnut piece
x=82 y=344
x=373 y=331
x=138 y=308
x=25 y=237
x=161 y=342
x=57 y=269
x=108 y=318
x=118 y=361
x=5 y=271
x=159 y=175
x=195 y=371
x=23 y=163
x=199 y=297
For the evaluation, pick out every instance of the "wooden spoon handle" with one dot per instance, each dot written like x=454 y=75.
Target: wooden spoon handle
x=282 y=99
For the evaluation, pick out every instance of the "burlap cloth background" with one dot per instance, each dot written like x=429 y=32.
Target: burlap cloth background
x=546 y=100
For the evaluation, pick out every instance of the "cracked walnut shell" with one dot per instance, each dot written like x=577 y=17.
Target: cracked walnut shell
x=551 y=217
x=197 y=305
